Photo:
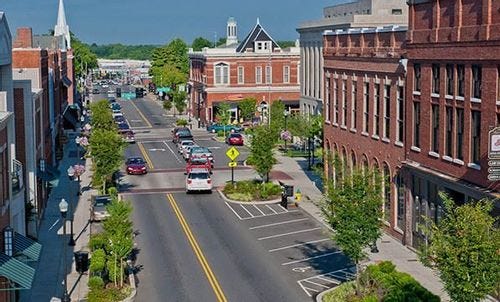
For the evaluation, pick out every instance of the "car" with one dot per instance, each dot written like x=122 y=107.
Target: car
x=117 y=114
x=176 y=130
x=115 y=106
x=184 y=143
x=201 y=151
x=119 y=119
x=98 y=211
x=198 y=180
x=127 y=135
x=104 y=85
x=198 y=162
x=180 y=135
x=123 y=126
x=186 y=151
x=136 y=165
x=228 y=128
x=234 y=139
x=95 y=91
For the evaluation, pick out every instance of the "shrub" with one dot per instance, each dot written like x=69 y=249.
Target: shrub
x=98 y=261
x=248 y=190
x=96 y=283
x=97 y=241
x=220 y=133
x=181 y=122
x=341 y=293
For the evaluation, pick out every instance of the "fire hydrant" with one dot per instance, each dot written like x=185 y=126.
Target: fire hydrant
x=298 y=195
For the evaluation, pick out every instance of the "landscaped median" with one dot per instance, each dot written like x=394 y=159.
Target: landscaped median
x=252 y=191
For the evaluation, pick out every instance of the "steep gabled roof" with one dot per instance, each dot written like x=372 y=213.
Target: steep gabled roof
x=258 y=33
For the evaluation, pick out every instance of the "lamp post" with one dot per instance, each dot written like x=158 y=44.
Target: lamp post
x=71 y=239
x=286 y=115
x=63 y=208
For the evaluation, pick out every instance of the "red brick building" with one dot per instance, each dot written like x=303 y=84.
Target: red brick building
x=364 y=108
x=257 y=68
x=452 y=102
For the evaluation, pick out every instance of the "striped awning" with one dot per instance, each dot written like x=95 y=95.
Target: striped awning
x=16 y=271
x=24 y=246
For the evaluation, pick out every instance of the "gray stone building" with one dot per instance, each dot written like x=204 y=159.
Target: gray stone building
x=360 y=14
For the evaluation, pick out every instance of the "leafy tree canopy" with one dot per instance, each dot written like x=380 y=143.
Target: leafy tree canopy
x=85 y=58
x=174 y=55
x=223 y=115
x=107 y=151
x=261 y=151
x=120 y=51
x=200 y=43
x=286 y=44
x=102 y=117
x=247 y=107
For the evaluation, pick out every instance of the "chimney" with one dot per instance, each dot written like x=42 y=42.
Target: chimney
x=24 y=38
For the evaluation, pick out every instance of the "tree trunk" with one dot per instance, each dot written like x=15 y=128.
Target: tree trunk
x=357 y=279
x=121 y=273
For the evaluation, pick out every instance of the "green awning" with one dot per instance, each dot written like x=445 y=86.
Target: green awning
x=16 y=271
x=26 y=247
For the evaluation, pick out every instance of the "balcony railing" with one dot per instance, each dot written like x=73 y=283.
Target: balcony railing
x=17 y=176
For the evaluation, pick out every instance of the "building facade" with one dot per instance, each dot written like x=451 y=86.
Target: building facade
x=255 y=68
x=364 y=109
x=360 y=14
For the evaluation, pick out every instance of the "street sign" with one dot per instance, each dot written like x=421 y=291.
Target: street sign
x=232 y=153
x=494 y=177
x=494 y=163
x=232 y=164
x=494 y=143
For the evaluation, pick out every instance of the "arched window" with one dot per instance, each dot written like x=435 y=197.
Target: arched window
x=353 y=161
x=365 y=164
x=221 y=74
x=344 y=162
x=329 y=161
x=386 y=189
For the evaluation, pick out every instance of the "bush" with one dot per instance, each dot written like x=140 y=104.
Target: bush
x=97 y=241
x=341 y=293
x=249 y=190
x=98 y=261
x=111 y=294
x=181 y=122
x=96 y=283
x=220 y=133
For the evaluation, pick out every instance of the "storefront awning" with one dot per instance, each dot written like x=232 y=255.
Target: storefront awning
x=66 y=81
x=50 y=174
x=17 y=272
x=27 y=247
x=71 y=115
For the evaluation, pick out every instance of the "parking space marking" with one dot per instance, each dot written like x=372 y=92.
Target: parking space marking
x=175 y=155
x=310 y=258
x=237 y=215
x=244 y=208
x=277 y=223
x=289 y=233
x=280 y=213
x=271 y=209
x=259 y=210
x=297 y=245
x=330 y=280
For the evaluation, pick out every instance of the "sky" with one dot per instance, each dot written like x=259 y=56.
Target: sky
x=159 y=21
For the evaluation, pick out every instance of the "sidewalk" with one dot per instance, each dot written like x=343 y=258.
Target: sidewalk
x=389 y=249
x=50 y=271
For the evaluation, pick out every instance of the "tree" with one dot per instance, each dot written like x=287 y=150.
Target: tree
x=176 y=54
x=168 y=75
x=465 y=248
x=84 y=58
x=223 y=115
x=200 y=43
x=179 y=100
x=102 y=117
x=170 y=64
x=167 y=105
x=247 y=107
x=353 y=207
x=277 y=117
x=261 y=151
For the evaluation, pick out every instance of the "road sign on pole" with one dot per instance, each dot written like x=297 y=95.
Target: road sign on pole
x=232 y=153
x=232 y=164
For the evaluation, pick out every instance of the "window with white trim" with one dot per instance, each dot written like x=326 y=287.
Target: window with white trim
x=327 y=101
x=461 y=80
x=286 y=74
x=344 y=102
x=476 y=81
x=241 y=75
x=376 y=109
x=335 y=102
x=387 y=111
x=269 y=74
x=417 y=77
x=450 y=80
x=366 y=106
x=435 y=128
x=221 y=74
x=460 y=133
x=354 y=103
x=435 y=78
x=400 y=114
x=416 y=124
x=476 y=136
x=258 y=75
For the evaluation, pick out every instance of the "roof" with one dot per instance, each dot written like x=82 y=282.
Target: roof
x=258 y=33
x=16 y=271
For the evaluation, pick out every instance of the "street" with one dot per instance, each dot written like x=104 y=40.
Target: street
x=196 y=247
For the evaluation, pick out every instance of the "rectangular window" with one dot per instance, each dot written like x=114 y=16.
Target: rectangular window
x=400 y=114
x=397 y=11
x=435 y=128
x=335 y=102
x=460 y=134
x=416 y=124
x=258 y=75
x=354 y=103
x=269 y=74
x=387 y=111
x=327 y=101
x=417 y=75
x=476 y=137
x=461 y=80
x=286 y=74
x=376 y=109
x=476 y=81
x=450 y=80
x=449 y=131
x=4 y=178
x=401 y=202
x=241 y=75
x=221 y=74
x=435 y=78
x=344 y=102
x=366 y=106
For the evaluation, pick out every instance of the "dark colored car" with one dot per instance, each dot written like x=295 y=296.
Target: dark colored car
x=120 y=119
x=127 y=135
x=235 y=139
x=228 y=128
x=136 y=165
x=98 y=211
x=123 y=126
x=179 y=134
x=115 y=106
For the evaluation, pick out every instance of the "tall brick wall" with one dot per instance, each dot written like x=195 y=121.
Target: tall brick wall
x=24 y=38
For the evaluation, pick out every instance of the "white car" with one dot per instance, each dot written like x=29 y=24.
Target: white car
x=198 y=180
x=183 y=144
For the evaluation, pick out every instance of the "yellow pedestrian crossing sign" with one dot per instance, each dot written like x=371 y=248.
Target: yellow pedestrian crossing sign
x=232 y=164
x=232 y=153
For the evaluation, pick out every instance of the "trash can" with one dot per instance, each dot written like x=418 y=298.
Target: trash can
x=81 y=261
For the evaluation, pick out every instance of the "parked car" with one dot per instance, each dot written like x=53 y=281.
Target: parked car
x=136 y=165
x=123 y=126
x=184 y=134
x=98 y=211
x=127 y=135
x=184 y=143
x=201 y=151
x=198 y=162
x=119 y=119
x=186 y=151
x=198 y=180
x=117 y=114
x=228 y=128
x=115 y=106
x=234 y=139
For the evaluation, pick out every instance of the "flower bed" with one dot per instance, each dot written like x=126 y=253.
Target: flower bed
x=252 y=190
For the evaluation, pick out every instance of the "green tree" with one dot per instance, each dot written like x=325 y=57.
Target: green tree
x=84 y=58
x=179 y=100
x=120 y=51
x=353 y=207
x=465 y=248
x=102 y=117
x=107 y=153
x=261 y=151
x=221 y=42
x=285 y=44
x=247 y=107
x=170 y=64
x=200 y=43
x=277 y=117
x=223 y=115
x=167 y=105
x=168 y=75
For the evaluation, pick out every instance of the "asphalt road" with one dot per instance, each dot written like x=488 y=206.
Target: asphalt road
x=198 y=247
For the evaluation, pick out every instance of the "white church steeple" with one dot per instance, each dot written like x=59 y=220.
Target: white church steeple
x=232 y=34
x=62 y=28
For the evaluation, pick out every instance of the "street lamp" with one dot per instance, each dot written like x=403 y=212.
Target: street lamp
x=71 y=239
x=286 y=115
x=63 y=208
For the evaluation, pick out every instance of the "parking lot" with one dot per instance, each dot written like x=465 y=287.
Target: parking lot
x=300 y=245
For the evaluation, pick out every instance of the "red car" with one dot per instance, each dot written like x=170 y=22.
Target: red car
x=198 y=162
x=234 y=139
x=136 y=165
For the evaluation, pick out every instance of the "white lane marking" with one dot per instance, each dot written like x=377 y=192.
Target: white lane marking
x=175 y=154
x=135 y=121
x=160 y=149
x=281 y=213
x=251 y=215
x=307 y=289
x=234 y=211
x=297 y=245
x=328 y=280
x=259 y=210
x=290 y=233
x=271 y=209
x=318 y=284
x=310 y=258
x=301 y=269
x=55 y=222
x=277 y=223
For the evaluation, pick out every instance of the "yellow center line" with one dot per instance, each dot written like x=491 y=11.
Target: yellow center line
x=141 y=114
x=146 y=156
x=197 y=250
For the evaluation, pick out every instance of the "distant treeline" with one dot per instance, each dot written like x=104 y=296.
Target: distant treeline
x=120 y=51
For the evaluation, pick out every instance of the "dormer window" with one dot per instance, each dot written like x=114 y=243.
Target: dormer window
x=263 y=46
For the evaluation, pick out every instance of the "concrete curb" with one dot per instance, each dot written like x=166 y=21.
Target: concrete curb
x=131 y=298
x=319 y=297
x=248 y=202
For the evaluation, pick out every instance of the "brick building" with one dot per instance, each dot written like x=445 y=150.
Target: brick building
x=257 y=67
x=452 y=102
x=364 y=108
